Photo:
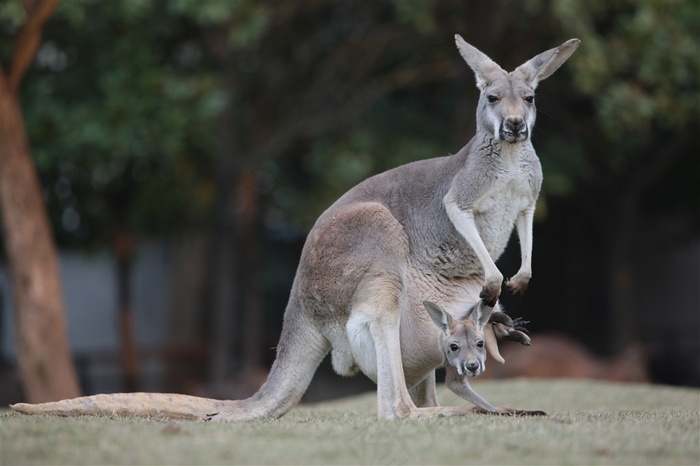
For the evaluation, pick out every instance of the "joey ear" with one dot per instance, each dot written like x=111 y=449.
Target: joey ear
x=485 y=69
x=481 y=314
x=441 y=318
x=543 y=65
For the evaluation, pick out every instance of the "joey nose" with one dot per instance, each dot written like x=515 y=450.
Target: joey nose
x=472 y=367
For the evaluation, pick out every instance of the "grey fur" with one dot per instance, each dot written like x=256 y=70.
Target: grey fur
x=429 y=230
x=390 y=243
x=464 y=348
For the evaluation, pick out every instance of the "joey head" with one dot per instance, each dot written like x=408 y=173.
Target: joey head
x=465 y=351
x=464 y=342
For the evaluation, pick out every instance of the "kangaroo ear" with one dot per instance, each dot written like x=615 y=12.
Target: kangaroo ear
x=481 y=313
x=543 y=65
x=441 y=318
x=485 y=69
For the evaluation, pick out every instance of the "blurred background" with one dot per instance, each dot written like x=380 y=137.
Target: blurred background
x=184 y=149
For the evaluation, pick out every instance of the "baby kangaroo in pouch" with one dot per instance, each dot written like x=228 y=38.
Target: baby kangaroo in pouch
x=464 y=347
x=428 y=230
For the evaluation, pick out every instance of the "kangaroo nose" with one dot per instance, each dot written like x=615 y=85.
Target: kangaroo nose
x=472 y=366
x=515 y=125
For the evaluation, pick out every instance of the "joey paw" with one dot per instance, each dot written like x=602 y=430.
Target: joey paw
x=519 y=324
x=521 y=337
x=509 y=329
x=501 y=317
x=507 y=333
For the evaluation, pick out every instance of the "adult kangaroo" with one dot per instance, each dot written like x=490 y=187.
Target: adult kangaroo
x=426 y=231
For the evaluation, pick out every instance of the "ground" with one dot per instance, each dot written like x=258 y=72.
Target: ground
x=588 y=423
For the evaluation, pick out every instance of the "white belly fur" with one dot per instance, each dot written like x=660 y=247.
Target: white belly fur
x=361 y=345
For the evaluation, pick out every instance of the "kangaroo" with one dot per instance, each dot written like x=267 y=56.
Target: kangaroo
x=461 y=349
x=464 y=350
x=425 y=231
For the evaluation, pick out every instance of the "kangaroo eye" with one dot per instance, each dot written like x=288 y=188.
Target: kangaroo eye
x=454 y=347
x=530 y=99
x=492 y=98
x=480 y=343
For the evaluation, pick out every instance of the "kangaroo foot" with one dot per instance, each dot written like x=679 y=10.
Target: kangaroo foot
x=509 y=329
x=510 y=412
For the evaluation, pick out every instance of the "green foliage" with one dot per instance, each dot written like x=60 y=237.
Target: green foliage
x=633 y=104
x=333 y=164
x=640 y=62
x=122 y=119
x=125 y=102
x=418 y=14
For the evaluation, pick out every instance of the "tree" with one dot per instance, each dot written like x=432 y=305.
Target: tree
x=628 y=163
x=46 y=367
x=123 y=131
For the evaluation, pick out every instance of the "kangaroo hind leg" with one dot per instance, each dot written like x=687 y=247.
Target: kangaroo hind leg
x=424 y=392
x=380 y=313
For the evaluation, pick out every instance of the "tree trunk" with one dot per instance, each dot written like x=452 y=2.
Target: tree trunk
x=45 y=363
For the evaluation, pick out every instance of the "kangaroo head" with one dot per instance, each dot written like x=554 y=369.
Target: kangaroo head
x=464 y=344
x=506 y=109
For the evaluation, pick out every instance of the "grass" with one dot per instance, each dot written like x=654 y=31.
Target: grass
x=588 y=423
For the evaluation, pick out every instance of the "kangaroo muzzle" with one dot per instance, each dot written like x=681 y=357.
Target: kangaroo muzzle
x=513 y=129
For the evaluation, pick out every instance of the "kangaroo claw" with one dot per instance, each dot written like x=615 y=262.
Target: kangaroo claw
x=519 y=325
x=509 y=412
x=516 y=286
x=490 y=295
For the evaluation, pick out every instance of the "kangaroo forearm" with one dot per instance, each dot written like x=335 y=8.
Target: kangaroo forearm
x=460 y=387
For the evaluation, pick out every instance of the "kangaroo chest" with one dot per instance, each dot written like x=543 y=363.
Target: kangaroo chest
x=510 y=192
x=514 y=187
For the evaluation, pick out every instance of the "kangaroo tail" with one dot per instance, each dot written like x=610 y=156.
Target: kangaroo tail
x=160 y=405
x=301 y=349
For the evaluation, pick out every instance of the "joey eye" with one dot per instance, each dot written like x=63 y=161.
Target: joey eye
x=454 y=347
x=492 y=99
x=530 y=99
x=480 y=344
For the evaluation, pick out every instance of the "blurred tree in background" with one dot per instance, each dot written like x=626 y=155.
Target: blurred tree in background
x=245 y=119
x=45 y=362
x=625 y=162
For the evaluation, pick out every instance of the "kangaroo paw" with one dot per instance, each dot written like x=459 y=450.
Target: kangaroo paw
x=490 y=294
x=517 y=286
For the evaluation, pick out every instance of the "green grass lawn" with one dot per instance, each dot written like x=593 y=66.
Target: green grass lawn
x=588 y=423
